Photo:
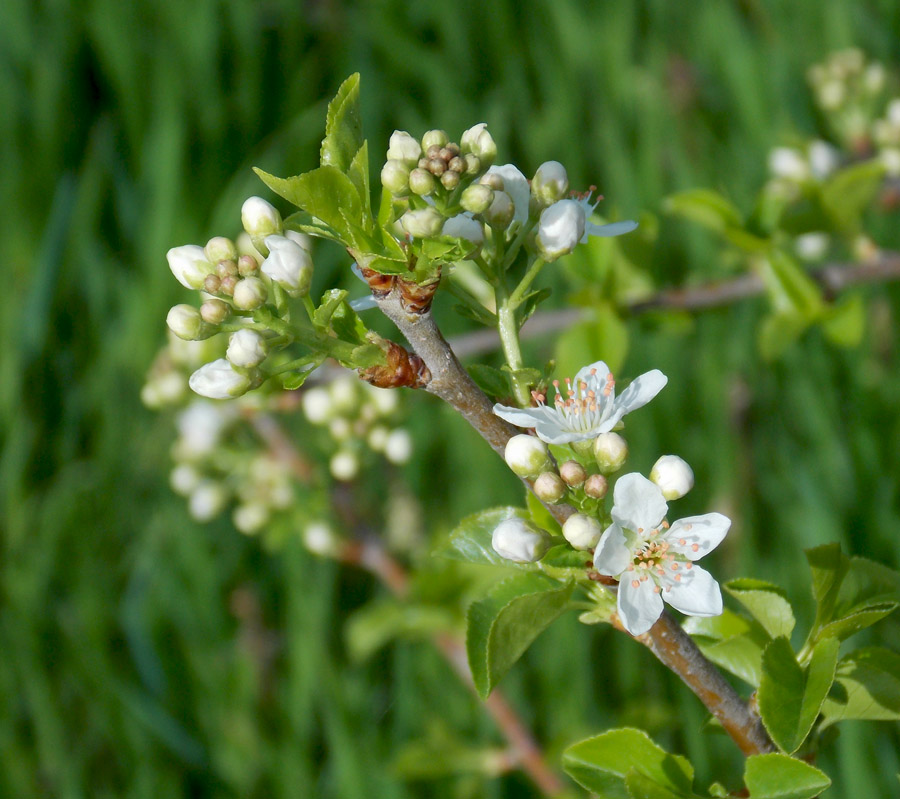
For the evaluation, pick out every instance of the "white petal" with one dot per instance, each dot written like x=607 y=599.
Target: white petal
x=584 y=374
x=696 y=594
x=515 y=184
x=638 y=504
x=640 y=607
x=642 y=390
x=611 y=556
x=705 y=532
x=525 y=417
x=613 y=229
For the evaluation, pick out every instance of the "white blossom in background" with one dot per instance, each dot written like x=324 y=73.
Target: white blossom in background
x=673 y=476
x=207 y=501
x=344 y=465
x=520 y=541
x=788 y=163
x=398 y=447
x=654 y=561
x=319 y=538
x=219 y=380
x=590 y=405
x=200 y=427
x=317 y=405
x=823 y=159
x=812 y=246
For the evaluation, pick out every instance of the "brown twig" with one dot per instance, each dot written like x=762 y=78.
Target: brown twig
x=666 y=639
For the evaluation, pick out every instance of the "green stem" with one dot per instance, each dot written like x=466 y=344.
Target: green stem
x=508 y=328
x=309 y=305
x=532 y=272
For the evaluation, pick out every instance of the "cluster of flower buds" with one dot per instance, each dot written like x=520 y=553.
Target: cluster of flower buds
x=886 y=136
x=793 y=167
x=238 y=280
x=358 y=417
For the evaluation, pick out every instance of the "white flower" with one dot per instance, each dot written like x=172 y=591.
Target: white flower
x=568 y=222
x=404 y=148
x=398 y=447
x=520 y=541
x=462 y=226
x=654 y=561
x=200 y=427
x=246 y=348
x=673 y=476
x=515 y=184
x=423 y=223
x=590 y=407
x=219 y=380
x=207 y=501
x=478 y=141
x=189 y=265
x=788 y=163
x=288 y=264
x=823 y=159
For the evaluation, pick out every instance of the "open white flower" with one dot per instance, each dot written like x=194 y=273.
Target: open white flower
x=590 y=405
x=654 y=561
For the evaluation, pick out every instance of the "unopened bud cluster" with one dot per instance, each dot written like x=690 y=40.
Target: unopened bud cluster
x=359 y=418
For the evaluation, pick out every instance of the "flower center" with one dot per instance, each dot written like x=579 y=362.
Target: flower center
x=654 y=560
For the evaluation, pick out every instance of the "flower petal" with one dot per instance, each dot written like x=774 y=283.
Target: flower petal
x=642 y=390
x=515 y=184
x=600 y=369
x=639 y=607
x=638 y=504
x=703 y=532
x=612 y=556
x=696 y=594
x=526 y=417
x=613 y=229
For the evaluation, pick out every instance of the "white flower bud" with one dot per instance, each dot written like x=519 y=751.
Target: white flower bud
x=288 y=265
x=423 y=223
x=250 y=518
x=464 y=227
x=250 y=293
x=831 y=95
x=260 y=219
x=189 y=265
x=246 y=348
x=317 y=405
x=572 y=473
x=527 y=456
x=549 y=487
x=395 y=177
x=674 y=477
x=220 y=248
x=434 y=138
x=386 y=400
x=812 y=246
x=340 y=429
x=890 y=159
x=582 y=532
x=207 y=501
x=344 y=465
x=399 y=446
x=477 y=198
x=873 y=78
x=421 y=182
x=344 y=394
x=404 y=148
x=520 y=541
x=185 y=322
x=560 y=229
x=219 y=380
x=823 y=159
x=479 y=142
x=550 y=183
x=610 y=452
x=893 y=112
x=184 y=479
x=214 y=311
x=501 y=211
x=788 y=163
x=377 y=438
x=319 y=538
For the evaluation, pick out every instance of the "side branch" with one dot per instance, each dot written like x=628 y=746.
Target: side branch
x=666 y=639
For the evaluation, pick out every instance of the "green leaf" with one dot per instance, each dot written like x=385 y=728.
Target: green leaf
x=776 y=776
x=849 y=191
x=530 y=304
x=506 y=622
x=828 y=566
x=291 y=381
x=845 y=322
x=731 y=641
x=790 y=289
x=706 y=207
x=470 y=541
x=325 y=193
x=347 y=325
x=603 y=337
x=343 y=127
x=640 y=786
x=767 y=603
x=778 y=331
x=541 y=516
x=359 y=174
x=378 y=623
x=869 y=687
x=331 y=299
x=602 y=764
x=789 y=697
x=493 y=382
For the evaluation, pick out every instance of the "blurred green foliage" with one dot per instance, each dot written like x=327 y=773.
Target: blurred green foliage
x=144 y=655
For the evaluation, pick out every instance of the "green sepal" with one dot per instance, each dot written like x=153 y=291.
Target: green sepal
x=776 y=776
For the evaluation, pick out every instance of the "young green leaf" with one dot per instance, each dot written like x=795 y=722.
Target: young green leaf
x=343 y=127
x=602 y=764
x=359 y=174
x=776 y=776
x=706 y=207
x=828 y=566
x=506 y=622
x=849 y=191
x=493 y=382
x=379 y=622
x=767 y=603
x=789 y=697
x=471 y=540
x=869 y=683
x=731 y=641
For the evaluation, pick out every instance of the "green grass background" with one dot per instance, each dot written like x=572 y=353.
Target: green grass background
x=126 y=667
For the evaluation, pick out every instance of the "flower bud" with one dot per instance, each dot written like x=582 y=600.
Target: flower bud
x=421 y=182
x=226 y=269
x=220 y=248
x=227 y=284
x=610 y=451
x=582 y=532
x=520 y=541
x=214 y=312
x=189 y=265
x=247 y=266
x=434 y=138
x=549 y=487
x=404 y=148
x=250 y=518
x=560 y=229
x=450 y=180
x=473 y=164
x=207 y=501
x=319 y=539
x=479 y=142
x=395 y=177
x=493 y=180
x=260 y=219
x=424 y=223
x=477 y=198
x=527 y=456
x=673 y=475
x=246 y=348
x=398 y=447
x=219 y=380
x=344 y=465
x=185 y=322
x=572 y=473
x=788 y=163
x=288 y=265
x=184 y=479
x=464 y=227
x=501 y=211
x=550 y=183
x=250 y=293
x=596 y=486
x=317 y=405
